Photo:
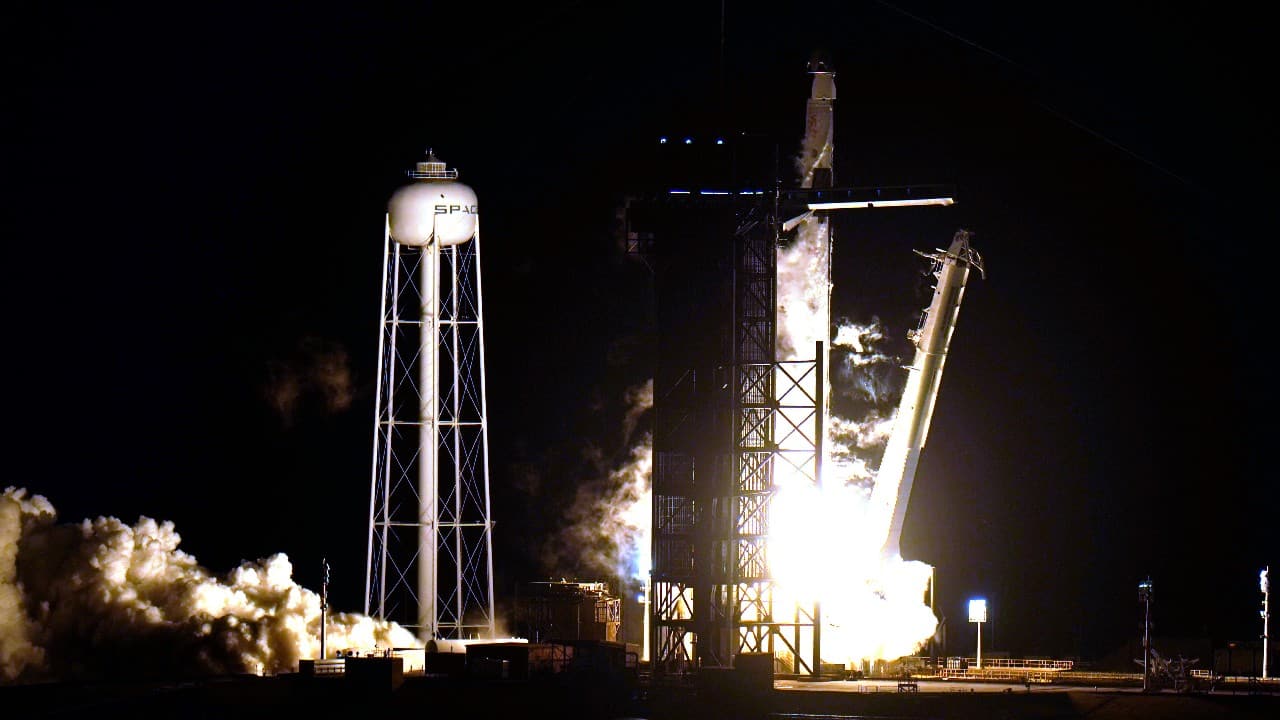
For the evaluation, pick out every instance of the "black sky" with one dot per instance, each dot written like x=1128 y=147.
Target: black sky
x=199 y=207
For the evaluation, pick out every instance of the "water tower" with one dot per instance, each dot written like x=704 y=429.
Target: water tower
x=430 y=557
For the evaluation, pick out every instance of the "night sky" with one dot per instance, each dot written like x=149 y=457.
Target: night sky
x=199 y=213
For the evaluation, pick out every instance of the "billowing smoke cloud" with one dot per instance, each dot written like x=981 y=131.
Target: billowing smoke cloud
x=17 y=652
x=606 y=527
x=639 y=399
x=804 y=294
x=315 y=375
x=866 y=384
x=854 y=444
x=101 y=599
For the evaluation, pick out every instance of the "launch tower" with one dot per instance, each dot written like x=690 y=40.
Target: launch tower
x=731 y=413
x=430 y=555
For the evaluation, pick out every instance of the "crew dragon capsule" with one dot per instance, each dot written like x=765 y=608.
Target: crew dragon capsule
x=911 y=428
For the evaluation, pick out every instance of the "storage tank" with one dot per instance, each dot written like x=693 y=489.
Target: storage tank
x=430 y=464
x=435 y=203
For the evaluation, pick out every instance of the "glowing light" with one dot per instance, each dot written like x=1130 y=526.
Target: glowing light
x=859 y=204
x=978 y=610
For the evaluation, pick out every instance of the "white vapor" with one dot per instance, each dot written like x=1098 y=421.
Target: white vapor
x=607 y=527
x=102 y=598
x=804 y=292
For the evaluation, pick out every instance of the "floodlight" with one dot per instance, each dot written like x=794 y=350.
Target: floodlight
x=978 y=610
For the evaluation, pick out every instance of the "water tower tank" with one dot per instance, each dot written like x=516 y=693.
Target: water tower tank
x=435 y=202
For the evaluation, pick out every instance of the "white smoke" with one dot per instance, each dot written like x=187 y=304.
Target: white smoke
x=607 y=526
x=849 y=444
x=102 y=598
x=804 y=292
x=862 y=372
x=17 y=651
x=634 y=503
x=639 y=399
x=863 y=340
x=315 y=376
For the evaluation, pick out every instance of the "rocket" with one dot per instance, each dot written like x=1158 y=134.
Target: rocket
x=819 y=126
x=915 y=410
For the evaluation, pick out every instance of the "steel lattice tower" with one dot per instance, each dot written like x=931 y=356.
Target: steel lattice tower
x=731 y=417
x=727 y=413
x=430 y=553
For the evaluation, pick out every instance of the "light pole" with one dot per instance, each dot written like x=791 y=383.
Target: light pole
x=644 y=655
x=978 y=614
x=324 y=608
x=933 y=640
x=1266 y=615
x=1144 y=594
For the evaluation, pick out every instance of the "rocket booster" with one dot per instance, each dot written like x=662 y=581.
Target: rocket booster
x=911 y=428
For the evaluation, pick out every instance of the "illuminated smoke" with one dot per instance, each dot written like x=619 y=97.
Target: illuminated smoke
x=852 y=448
x=607 y=525
x=862 y=339
x=639 y=400
x=315 y=375
x=17 y=652
x=861 y=373
x=102 y=599
x=804 y=293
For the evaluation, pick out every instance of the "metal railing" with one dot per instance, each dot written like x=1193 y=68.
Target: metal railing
x=1015 y=663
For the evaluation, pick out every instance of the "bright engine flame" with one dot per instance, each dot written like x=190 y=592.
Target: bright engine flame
x=820 y=548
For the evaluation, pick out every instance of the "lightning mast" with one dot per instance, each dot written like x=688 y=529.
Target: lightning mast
x=430 y=556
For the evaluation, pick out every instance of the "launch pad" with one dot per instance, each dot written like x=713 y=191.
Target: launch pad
x=740 y=414
x=489 y=696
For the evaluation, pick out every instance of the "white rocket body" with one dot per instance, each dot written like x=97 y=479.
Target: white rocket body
x=819 y=131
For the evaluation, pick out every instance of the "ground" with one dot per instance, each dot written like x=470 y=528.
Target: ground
x=252 y=697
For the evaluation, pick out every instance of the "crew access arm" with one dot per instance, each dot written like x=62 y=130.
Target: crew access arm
x=911 y=427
